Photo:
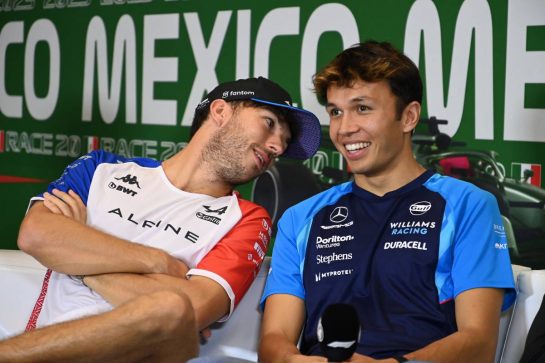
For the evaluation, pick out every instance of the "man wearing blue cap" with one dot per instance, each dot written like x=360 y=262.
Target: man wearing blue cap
x=153 y=252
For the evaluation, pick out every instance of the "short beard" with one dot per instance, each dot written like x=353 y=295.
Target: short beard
x=223 y=154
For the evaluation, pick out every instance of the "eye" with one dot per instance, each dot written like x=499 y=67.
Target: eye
x=333 y=112
x=363 y=108
x=269 y=122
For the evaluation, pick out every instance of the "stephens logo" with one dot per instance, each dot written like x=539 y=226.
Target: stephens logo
x=339 y=215
x=334 y=257
x=419 y=208
x=129 y=179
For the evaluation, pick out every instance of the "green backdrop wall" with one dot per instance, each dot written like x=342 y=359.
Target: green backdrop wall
x=125 y=75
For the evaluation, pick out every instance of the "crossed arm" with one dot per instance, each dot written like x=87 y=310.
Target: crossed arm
x=55 y=233
x=477 y=317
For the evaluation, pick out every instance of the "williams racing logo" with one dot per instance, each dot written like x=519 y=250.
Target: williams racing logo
x=210 y=218
x=127 y=179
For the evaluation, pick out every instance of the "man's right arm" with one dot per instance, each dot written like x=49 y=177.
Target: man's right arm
x=281 y=327
x=65 y=245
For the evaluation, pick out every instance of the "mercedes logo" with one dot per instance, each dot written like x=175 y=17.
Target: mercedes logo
x=338 y=215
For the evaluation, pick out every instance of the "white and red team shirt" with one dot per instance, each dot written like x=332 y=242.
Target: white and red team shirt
x=224 y=239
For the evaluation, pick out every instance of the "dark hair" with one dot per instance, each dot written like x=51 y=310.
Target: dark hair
x=372 y=62
x=202 y=113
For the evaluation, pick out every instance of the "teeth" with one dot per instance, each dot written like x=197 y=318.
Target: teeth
x=357 y=146
x=260 y=158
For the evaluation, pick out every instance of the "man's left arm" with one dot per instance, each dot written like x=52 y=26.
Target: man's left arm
x=219 y=280
x=208 y=298
x=477 y=317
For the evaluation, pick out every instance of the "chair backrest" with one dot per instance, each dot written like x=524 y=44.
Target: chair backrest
x=506 y=316
x=531 y=288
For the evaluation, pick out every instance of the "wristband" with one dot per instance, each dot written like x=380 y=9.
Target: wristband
x=400 y=358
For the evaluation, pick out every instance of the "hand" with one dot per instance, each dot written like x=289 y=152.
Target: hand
x=67 y=204
x=175 y=267
x=359 y=358
x=299 y=358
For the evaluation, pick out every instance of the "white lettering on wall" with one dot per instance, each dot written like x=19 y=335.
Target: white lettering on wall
x=277 y=22
x=12 y=33
x=42 y=30
x=109 y=89
x=326 y=18
x=158 y=69
x=522 y=67
x=243 y=44
x=474 y=17
x=206 y=58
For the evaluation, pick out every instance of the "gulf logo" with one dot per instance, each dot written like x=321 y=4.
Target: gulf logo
x=419 y=208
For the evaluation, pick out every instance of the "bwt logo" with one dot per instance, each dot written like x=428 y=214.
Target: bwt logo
x=419 y=208
x=123 y=189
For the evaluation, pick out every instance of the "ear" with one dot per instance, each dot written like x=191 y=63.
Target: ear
x=411 y=116
x=220 y=112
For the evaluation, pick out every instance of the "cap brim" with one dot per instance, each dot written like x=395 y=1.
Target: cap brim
x=309 y=132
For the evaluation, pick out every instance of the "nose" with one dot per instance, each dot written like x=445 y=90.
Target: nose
x=346 y=126
x=277 y=143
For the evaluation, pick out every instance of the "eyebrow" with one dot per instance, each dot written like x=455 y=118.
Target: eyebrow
x=353 y=100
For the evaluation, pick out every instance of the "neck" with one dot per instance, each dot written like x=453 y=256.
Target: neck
x=389 y=180
x=187 y=171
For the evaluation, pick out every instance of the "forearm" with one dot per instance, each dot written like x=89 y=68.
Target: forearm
x=208 y=299
x=118 y=288
x=276 y=348
x=70 y=247
x=468 y=346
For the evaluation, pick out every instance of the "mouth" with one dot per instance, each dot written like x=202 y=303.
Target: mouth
x=356 y=146
x=263 y=159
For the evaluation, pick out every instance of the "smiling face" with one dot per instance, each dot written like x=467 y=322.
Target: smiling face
x=366 y=130
x=247 y=145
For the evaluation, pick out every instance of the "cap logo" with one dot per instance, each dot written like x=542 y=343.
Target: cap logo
x=225 y=94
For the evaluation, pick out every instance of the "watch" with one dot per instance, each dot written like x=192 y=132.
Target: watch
x=400 y=358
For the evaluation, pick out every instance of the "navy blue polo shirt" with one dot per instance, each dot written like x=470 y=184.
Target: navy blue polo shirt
x=400 y=259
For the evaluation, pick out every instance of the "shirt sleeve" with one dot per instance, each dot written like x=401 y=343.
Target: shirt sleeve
x=236 y=259
x=77 y=176
x=481 y=256
x=285 y=275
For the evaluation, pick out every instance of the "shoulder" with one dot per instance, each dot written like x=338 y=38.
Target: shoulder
x=456 y=191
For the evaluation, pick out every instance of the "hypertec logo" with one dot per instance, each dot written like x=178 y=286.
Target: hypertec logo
x=419 y=208
x=339 y=215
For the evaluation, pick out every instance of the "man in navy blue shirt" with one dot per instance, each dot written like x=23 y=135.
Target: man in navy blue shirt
x=421 y=257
